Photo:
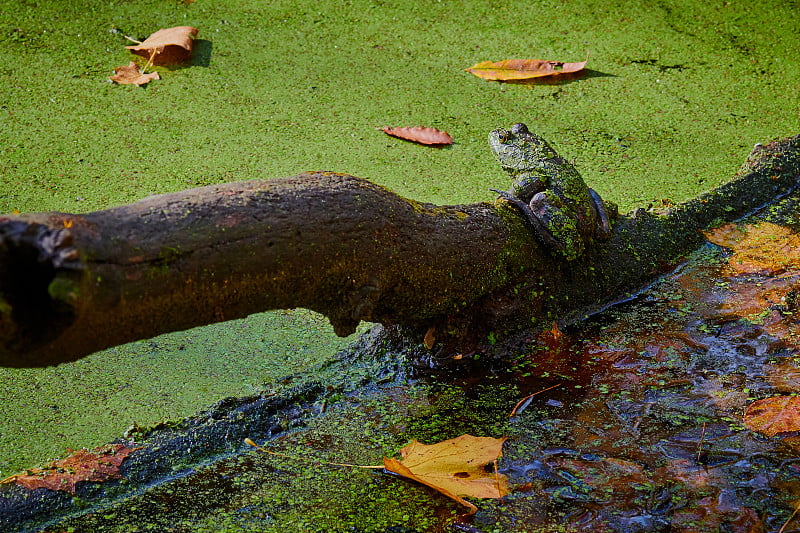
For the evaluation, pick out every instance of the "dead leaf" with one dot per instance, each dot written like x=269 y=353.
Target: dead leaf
x=773 y=416
x=454 y=467
x=764 y=247
x=83 y=465
x=420 y=135
x=523 y=69
x=167 y=46
x=130 y=74
x=430 y=337
x=783 y=375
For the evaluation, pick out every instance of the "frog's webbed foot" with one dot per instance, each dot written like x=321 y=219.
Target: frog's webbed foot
x=603 y=229
x=540 y=229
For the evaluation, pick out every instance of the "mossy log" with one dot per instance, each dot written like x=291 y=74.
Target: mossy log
x=457 y=279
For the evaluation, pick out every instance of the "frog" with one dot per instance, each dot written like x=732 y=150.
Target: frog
x=566 y=214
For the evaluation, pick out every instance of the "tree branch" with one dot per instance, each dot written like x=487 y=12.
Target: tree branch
x=74 y=284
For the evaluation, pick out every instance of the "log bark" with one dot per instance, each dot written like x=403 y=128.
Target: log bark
x=455 y=278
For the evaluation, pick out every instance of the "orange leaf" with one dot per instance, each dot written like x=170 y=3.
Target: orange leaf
x=772 y=416
x=419 y=135
x=454 y=467
x=523 y=69
x=167 y=46
x=82 y=465
x=764 y=247
x=130 y=74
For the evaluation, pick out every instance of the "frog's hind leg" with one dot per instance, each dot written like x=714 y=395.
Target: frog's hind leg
x=560 y=225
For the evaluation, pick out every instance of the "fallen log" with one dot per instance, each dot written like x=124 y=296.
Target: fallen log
x=457 y=278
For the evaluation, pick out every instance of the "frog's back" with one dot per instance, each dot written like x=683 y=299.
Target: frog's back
x=530 y=160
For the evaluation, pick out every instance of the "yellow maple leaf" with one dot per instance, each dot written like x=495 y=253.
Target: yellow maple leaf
x=454 y=467
x=762 y=247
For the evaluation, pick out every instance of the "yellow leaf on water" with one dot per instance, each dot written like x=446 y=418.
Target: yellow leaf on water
x=454 y=467
x=763 y=247
x=523 y=69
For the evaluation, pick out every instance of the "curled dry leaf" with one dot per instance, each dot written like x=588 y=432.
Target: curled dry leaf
x=523 y=69
x=130 y=74
x=430 y=338
x=100 y=465
x=774 y=416
x=454 y=467
x=168 y=46
x=420 y=135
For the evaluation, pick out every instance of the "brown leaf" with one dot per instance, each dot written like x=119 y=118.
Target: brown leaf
x=420 y=135
x=523 y=69
x=130 y=74
x=772 y=416
x=430 y=337
x=83 y=465
x=167 y=46
x=454 y=467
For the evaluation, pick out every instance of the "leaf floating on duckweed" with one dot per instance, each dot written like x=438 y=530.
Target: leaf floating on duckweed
x=523 y=69
x=454 y=467
x=420 y=134
x=167 y=46
x=131 y=75
x=100 y=465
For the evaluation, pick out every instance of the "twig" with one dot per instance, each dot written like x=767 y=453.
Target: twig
x=700 y=445
x=514 y=411
x=796 y=509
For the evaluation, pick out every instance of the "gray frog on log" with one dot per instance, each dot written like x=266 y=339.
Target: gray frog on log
x=566 y=215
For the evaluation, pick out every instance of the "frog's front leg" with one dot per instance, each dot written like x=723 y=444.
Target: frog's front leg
x=540 y=228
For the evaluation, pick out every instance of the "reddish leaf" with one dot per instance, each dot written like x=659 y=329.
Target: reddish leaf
x=420 y=135
x=83 y=465
x=130 y=74
x=167 y=46
x=522 y=69
x=772 y=416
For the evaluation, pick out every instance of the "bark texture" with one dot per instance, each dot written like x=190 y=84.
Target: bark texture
x=463 y=278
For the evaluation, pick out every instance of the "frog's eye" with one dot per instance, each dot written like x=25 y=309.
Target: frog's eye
x=503 y=136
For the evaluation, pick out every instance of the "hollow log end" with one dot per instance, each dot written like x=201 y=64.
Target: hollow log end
x=39 y=271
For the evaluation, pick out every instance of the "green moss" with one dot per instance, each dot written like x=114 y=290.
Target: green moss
x=63 y=290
